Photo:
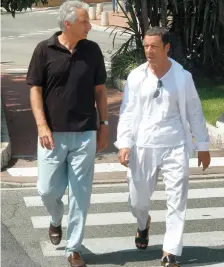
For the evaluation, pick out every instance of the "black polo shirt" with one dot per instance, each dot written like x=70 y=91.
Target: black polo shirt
x=68 y=82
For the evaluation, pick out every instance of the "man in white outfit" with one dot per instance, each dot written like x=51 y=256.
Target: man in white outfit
x=160 y=113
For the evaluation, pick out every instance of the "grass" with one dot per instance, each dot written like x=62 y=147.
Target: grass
x=212 y=99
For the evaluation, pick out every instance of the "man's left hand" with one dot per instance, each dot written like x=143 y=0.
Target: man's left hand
x=204 y=159
x=102 y=137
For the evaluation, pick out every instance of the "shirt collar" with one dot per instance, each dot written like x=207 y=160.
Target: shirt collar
x=144 y=66
x=53 y=40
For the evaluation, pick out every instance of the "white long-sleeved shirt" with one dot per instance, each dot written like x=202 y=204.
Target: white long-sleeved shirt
x=188 y=102
x=160 y=124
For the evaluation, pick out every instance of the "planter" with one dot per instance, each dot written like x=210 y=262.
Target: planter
x=119 y=84
x=5 y=141
x=220 y=122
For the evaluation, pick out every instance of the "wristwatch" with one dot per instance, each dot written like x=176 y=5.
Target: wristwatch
x=104 y=122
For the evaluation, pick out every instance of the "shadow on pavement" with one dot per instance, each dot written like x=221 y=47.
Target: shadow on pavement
x=192 y=256
x=19 y=117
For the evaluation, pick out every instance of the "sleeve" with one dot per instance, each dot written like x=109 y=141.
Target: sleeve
x=124 y=129
x=100 y=74
x=35 y=74
x=195 y=117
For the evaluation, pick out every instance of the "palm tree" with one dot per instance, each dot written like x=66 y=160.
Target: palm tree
x=196 y=25
x=144 y=14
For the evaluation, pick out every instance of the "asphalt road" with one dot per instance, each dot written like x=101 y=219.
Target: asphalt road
x=110 y=230
x=19 y=36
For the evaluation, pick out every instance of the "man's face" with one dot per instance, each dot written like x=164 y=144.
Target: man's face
x=81 y=27
x=155 y=50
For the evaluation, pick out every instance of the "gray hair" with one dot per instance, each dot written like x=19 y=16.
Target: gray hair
x=67 y=12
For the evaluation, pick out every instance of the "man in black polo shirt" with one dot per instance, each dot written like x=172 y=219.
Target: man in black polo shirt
x=67 y=76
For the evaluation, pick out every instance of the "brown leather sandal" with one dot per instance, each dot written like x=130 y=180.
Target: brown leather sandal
x=55 y=234
x=76 y=260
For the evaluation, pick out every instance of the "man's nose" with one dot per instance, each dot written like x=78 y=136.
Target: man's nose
x=149 y=49
x=89 y=26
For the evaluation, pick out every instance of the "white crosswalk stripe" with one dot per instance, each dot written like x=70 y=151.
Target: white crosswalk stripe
x=23 y=35
x=126 y=218
x=101 y=245
x=122 y=197
x=110 y=195
x=112 y=167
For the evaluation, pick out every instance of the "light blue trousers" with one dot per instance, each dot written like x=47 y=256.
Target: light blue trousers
x=70 y=163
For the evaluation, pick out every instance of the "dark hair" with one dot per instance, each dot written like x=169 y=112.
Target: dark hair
x=159 y=31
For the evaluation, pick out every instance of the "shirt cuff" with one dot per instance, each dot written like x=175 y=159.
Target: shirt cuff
x=202 y=146
x=124 y=144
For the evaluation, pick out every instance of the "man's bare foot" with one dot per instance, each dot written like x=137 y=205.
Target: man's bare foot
x=169 y=260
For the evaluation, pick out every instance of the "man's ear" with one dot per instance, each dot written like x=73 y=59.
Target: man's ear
x=167 y=47
x=67 y=23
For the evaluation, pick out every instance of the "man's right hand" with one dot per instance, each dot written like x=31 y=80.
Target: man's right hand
x=123 y=156
x=46 y=137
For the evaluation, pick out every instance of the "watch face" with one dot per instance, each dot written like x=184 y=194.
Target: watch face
x=104 y=122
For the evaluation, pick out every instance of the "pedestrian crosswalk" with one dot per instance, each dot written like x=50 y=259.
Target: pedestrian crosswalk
x=110 y=227
x=216 y=166
x=115 y=218
x=47 y=32
x=102 y=246
x=122 y=197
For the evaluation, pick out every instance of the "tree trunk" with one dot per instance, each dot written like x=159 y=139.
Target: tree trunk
x=145 y=15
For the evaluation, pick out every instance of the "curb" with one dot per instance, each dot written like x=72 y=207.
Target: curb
x=98 y=182
x=3 y=11
x=5 y=141
x=201 y=178
x=220 y=122
x=44 y=8
x=29 y=10
x=216 y=136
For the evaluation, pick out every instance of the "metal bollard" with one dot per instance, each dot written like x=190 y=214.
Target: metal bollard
x=105 y=18
x=92 y=13
x=99 y=8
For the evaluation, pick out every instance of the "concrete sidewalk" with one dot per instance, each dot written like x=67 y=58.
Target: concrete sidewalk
x=116 y=21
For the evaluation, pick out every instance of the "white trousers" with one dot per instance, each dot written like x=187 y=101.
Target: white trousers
x=144 y=166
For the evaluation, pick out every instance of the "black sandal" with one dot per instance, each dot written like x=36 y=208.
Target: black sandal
x=143 y=236
x=169 y=261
